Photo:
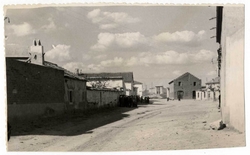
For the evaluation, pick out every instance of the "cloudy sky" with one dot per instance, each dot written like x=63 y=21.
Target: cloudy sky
x=156 y=43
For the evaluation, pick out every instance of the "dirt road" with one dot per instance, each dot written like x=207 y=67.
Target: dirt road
x=162 y=125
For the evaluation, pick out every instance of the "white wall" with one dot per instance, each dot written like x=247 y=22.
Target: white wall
x=128 y=88
x=139 y=89
x=109 y=83
x=232 y=71
x=98 y=98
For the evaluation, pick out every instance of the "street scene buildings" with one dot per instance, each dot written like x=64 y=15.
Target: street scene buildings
x=123 y=78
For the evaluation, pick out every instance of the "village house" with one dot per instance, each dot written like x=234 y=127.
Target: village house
x=160 y=90
x=36 y=87
x=202 y=94
x=209 y=92
x=115 y=83
x=184 y=86
x=127 y=77
x=139 y=88
x=213 y=89
x=230 y=31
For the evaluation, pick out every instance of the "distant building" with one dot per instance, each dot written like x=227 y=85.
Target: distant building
x=209 y=92
x=201 y=94
x=213 y=89
x=113 y=83
x=139 y=87
x=184 y=86
x=127 y=77
x=159 y=90
x=151 y=90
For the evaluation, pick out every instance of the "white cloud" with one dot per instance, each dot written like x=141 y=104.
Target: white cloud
x=108 y=26
x=101 y=56
x=86 y=56
x=177 y=72
x=117 y=61
x=93 y=67
x=50 y=26
x=72 y=66
x=156 y=58
x=165 y=58
x=180 y=36
x=212 y=73
x=59 y=53
x=94 y=14
x=22 y=29
x=110 y=20
x=119 y=40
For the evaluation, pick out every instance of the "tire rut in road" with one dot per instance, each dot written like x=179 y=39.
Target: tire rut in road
x=98 y=142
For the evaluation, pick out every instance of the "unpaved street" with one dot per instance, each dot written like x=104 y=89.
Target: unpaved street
x=161 y=125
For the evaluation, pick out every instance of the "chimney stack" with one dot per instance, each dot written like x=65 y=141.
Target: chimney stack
x=37 y=53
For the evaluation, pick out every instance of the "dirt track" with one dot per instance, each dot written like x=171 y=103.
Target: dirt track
x=162 y=125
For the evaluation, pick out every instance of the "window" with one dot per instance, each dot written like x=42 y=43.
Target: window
x=194 y=83
x=70 y=96
x=198 y=95
x=179 y=84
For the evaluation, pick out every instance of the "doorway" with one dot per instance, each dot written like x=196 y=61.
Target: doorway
x=194 y=95
x=180 y=94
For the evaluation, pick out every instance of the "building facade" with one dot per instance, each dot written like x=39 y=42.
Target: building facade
x=128 y=79
x=230 y=36
x=139 y=87
x=35 y=86
x=184 y=87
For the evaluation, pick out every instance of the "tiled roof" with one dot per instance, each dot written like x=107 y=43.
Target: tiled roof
x=127 y=76
x=187 y=73
x=66 y=72
x=107 y=78
x=136 y=82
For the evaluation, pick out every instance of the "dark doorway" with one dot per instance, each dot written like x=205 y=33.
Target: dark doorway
x=180 y=94
x=194 y=95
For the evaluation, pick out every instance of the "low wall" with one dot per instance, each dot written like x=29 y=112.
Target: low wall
x=24 y=112
x=102 y=98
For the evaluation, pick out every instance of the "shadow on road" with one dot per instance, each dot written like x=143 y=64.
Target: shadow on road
x=70 y=124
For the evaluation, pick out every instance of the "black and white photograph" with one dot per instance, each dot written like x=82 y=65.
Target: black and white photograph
x=124 y=77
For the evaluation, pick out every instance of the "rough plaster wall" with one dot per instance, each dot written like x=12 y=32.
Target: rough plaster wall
x=139 y=89
x=78 y=88
x=171 y=90
x=232 y=77
x=98 y=98
x=187 y=86
x=235 y=75
x=30 y=111
x=33 y=84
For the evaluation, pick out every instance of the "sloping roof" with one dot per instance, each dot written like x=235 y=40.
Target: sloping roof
x=66 y=72
x=187 y=73
x=18 y=58
x=136 y=82
x=106 y=78
x=215 y=80
x=127 y=76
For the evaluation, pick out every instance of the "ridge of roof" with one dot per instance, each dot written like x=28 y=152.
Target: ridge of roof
x=127 y=76
x=66 y=72
x=181 y=77
x=137 y=82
